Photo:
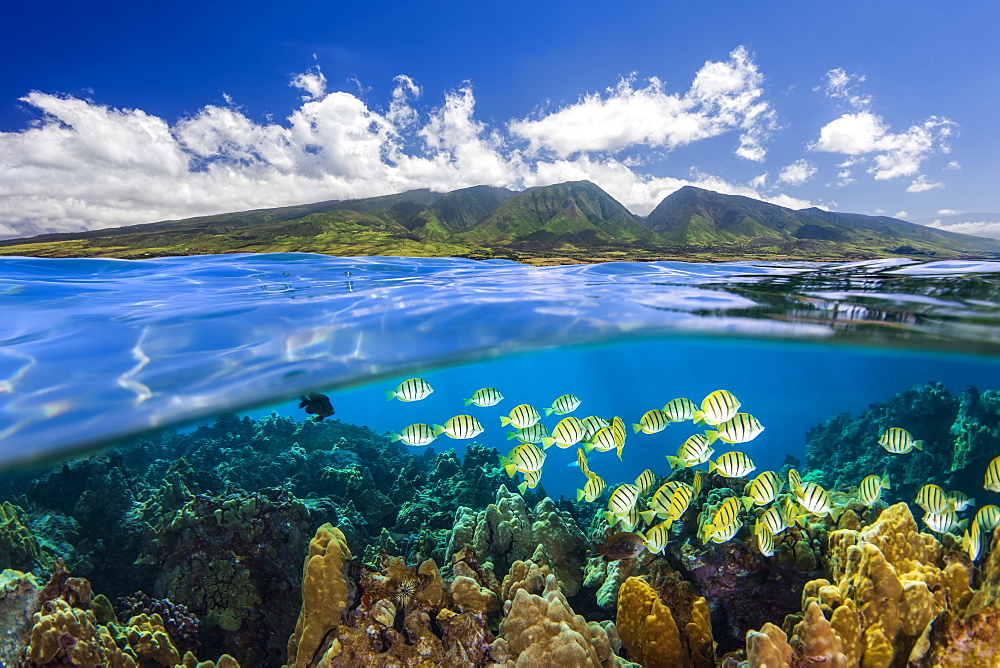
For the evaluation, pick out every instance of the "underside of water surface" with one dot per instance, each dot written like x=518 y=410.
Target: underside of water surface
x=203 y=464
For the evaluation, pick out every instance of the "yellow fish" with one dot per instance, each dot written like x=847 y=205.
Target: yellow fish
x=794 y=480
x=765 y=540
x=932 y=499
x=814 y=499
x=670 y=501
x=763 y=489
x=581 y=461
x=657 y=537
x=416 y=435
x=603 y=441
x=652 y=422
x=716 y=408
x=870 y=489
x=695 y=450
x=567 y=403
x=725 y=522
x=898 y=441
x=521 y=417
x=645 y=481
x=460 y=426
x=776 y=518
x=623 y=500
x=679 y=410
x=531 y=479
x=696 y=484
x=741 y=428
x=988 y=518
x=591 y=424
x=618 y=429
x=567 y=433
x=488 y=396
x=732 y=465
x=592 y=489
x=992 y=481
x=413 y=389
x=524 y=458
x=533 y=434
x=628 y=522
x=961 y=500
x=942 y=522
x=972 y=541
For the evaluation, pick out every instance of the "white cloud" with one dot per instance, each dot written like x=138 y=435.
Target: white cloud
x=947 y=212
x=982 y=228
x=953 y=165
x=901 y=214
x=843 y=86
x=724 y=97
x=797 y=173
x=921 y=183
x=84 y=165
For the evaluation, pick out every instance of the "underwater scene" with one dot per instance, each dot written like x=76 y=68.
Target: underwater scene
x=300 y=460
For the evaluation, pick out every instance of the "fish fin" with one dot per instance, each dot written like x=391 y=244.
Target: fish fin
x=963 y=524
x=972 y=501
x=647 y=516
x=304 y=402
x=712 y=466
x=438 y=430
x=697 y=417
x=588 y=447
x=395 y=437
x=608 y=517
x=884 y=482
x=919 y=445
x=712 y=436
x=390 y=395
x=467 y=401
x=548 y=411
x=747 y=502
x=636 y=428
x=504 y=421
x=523 y=487
x=511 y=469
x=675 y=462
x=835 y=514
x=547 y=442
x=619 y=451
x=579 y=494
x=511 y=434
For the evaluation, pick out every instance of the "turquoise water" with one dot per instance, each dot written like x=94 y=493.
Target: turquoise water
x=135 y=395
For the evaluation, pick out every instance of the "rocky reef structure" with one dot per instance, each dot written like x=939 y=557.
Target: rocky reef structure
x=959 y=434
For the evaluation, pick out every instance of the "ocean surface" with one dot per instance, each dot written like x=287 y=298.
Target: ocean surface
x=98 y=353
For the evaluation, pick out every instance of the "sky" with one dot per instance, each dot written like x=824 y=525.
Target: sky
x=121 y=113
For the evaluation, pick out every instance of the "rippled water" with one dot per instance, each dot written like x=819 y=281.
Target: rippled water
x=93 y=350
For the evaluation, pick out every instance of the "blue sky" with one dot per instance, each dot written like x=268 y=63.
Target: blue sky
x=132 y=112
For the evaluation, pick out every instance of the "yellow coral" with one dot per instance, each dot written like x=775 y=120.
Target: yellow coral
x=647 y=628
x=72 y=636
x=324 y=594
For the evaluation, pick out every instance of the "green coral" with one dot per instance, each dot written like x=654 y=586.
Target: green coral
x=18 y=546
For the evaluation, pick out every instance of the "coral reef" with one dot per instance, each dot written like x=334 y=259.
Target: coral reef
x=180 y=623
x=664 y=635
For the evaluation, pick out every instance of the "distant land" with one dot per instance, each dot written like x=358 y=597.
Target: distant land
x=564 y=223
x=979 y=224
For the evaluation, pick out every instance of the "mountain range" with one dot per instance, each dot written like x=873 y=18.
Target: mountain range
x=573 y=221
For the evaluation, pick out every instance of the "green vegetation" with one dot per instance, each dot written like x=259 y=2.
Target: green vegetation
x=568 y=222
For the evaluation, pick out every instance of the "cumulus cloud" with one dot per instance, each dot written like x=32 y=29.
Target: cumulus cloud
x=947 y=212
x=85 y=165
x=724 y=97
x=982 y=228
x=922 y=183
x=797 y=173
x=844 y=87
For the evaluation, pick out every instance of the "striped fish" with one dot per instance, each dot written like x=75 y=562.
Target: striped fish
x=943 y=522
x=618 y=429
x=725 y=522
x=776 y=518
x=679 y=410
x=567 y=433
x=992 y=480
x=627 y=522
x=525 y=458
x=696 y=484
x=988 y=518
x=413 y=389
x=765 y=540
x=763 y=489
x=814 y=499
x=623 y=500
x=531 y=479
x=794 y=480
x=533 y=434
x=695 y=450
x=732 y=465
x=898 y=441
x=932 y=499
x=603 y=441
x=488 y=396
x=592 y=424
x=645 y=482
x=657 y=537
x=670 y=502
x=972 y=541
x=592 y=489
x=460 y=426
x=716 y=408
x=652 y=422
x=659 y=505
x=870 y=489
x=567 y=403
x=521 y=417
x=581 y=461
x=741 y=428
x=416 y=435
x=962 y=502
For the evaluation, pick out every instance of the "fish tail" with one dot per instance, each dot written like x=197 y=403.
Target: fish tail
x=523 y=487
x=504 y=421
x=467 y=401
x=919 y=445
x=884 y=482
x=438 y=430
x=390 y=395
x=675 y=462
x=697 y=417
x=619 y=450
x=579 y=494
x=303 y=402
x=548 y=411
x=511 y=434
x=647 y=516
x=636 y=428
x=963 y=524
x=712 y=436
x=747 y=502
x=712 y=466
x=588 y=447
x=608 y=517
x=972 y=501
x=394 y=437
x=547 y=442
x=511 y=469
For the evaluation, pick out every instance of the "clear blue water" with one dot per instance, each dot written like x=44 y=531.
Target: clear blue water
x=94 y=350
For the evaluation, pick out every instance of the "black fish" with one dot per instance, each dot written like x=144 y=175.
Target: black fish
x=318 y=405
x=621 y=546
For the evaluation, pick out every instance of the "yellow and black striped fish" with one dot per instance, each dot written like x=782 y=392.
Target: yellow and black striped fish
x=488 y=396
x=525 y=458
x=717 y=407
x=581 y=461
x=533 y=434
x=898 y=441
x=932 y=499
x=814 y=499
x=741 y=428
x=725 y=522
x=870 y=489
x=657 y=537
x=416 y=435
x=794 y=480
x=659 y=505
x=765 y=540
x=623 y=500
x=696 y=484
x=591 y=424
x=763 y=489
x=531 y=479
x=777 y=518
x=645 y=482
x=652 y=422
x=732 y=465
x=567 y=433
x=988 y=518
x=603 y=441
x=992 y=480
x=521 y=417
x=627 y=522
x=567 y=403
x=618 y=429
x=943 y=522
x=592 y=489
x=460 y=426
x=961 y=500
x=679 y=410
x=972 y=541
x=413 y=389
x=695 y=450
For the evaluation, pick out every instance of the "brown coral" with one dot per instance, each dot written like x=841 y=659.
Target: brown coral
x=653 y=636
